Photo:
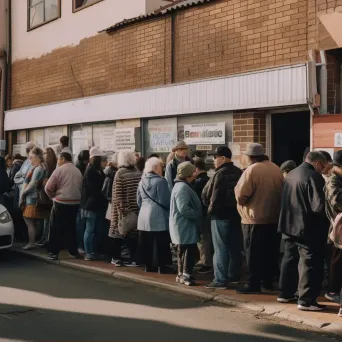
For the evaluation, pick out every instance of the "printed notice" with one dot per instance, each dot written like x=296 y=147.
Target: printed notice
x=205 y=134
x=124 y=140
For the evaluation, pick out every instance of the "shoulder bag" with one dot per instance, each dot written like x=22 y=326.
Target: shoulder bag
x=154 y=200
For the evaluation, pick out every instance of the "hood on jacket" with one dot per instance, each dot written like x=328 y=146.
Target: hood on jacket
x=148 y=181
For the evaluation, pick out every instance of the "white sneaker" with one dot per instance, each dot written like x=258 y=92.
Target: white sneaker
x=312 y=307
x=286 y=300
x=81 y=251
x=29 y=246
x=340 y=313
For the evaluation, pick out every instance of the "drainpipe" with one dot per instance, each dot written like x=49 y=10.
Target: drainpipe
x=173 y=47
x=323 y=83
x=3 y=67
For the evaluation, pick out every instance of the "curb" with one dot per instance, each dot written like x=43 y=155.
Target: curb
x=327 y=327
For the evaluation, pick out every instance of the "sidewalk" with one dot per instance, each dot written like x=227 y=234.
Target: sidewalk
x=265 y=303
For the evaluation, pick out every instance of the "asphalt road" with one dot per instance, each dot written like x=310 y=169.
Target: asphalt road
x=41 y=301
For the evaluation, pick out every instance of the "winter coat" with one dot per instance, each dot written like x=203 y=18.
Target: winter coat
x=199 y=183
x=185 y=214
x=92 y=198
x=219 y=195
x=258 y=193
x=20 y=176
x=124 y=199
x=153 y=217
x=333 y=197
x=302 y=214
x=171 y=171
x=17 y=164
x=5 y=184
x=107 y=189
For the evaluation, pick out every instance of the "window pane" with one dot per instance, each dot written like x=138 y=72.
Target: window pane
x=35 y=2
x=37 y=15
x=51 y=9
x=81 y=3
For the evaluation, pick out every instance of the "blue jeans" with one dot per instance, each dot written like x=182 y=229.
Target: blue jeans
x=227 y=250
x=94 y=228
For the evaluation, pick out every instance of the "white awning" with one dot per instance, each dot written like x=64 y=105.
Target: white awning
x=278 y=87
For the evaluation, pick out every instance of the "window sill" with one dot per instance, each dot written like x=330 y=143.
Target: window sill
x=75 y=10
x=42 y=24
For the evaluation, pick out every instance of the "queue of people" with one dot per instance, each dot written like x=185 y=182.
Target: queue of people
x=126 y=211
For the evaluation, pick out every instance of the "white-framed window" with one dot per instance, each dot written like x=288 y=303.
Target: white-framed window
x=41 y=12
x=78 y=5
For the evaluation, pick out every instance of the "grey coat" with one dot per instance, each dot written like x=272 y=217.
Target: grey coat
x=153 y=217
x=185 y=214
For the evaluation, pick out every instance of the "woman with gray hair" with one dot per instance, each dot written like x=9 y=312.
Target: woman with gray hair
x=153 y=199
x=123 y=228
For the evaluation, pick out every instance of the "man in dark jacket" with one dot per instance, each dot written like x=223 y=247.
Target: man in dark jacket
x=5 y=184
x=301 y=221
x=218 y=196
x=204 y=246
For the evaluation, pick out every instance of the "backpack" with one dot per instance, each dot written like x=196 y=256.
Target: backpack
x=336 y=231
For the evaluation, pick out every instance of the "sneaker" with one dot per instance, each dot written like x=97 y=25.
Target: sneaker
x=234 y=281
x=340 y=313
x=311 y=307
x=205 y=270
x=117 y=263
x=40 y=243
x=51 y=256
x=332 y=297
x=74 y=256
x=187 y=281
x=217 y=286
x=179 y=278
x=80 y=251
x=287 y=299
x=29 y=246
x=89 y=257
x=132 y=264
x=248 y=289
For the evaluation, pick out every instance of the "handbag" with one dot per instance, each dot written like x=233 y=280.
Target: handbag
x=336 y=231
x=128 y=223
x=154 y=200
x=43 y=200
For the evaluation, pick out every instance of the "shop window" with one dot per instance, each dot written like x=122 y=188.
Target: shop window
x=81 y=4
x=41 y=12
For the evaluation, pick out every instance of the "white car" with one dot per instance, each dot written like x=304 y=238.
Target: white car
x=6 y=229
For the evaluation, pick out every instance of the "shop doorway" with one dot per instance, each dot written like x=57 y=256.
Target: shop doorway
x=290 y=136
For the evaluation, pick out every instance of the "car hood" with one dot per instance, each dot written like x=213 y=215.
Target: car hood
x=2 y=209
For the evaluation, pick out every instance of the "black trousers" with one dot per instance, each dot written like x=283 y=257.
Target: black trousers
x=187 y=255
x=154 y=244
x=131 y=244
x=335 y=274
x=63 y=228
x=302 y=268
x=260 y=243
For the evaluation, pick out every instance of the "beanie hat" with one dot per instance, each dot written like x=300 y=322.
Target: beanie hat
x=254 y=150
x=288 y=166
x=185 y=169
x=95 y=152
x=180 y=145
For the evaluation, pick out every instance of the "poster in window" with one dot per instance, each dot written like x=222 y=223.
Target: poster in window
x=162 y=135
x=124 y=140
x=205 y=133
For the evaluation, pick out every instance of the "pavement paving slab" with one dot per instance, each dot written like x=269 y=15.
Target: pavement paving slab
x=264 y=303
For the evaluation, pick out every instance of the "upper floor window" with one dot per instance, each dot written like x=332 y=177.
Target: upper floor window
x=80 y=4
x=42 y=11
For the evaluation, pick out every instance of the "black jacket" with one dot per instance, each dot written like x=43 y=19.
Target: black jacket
x=302 y=214
x=92 y=198
x=5 y=184
x=17 y=164
x=218 y=195
x=107 y=189
x=199 y=183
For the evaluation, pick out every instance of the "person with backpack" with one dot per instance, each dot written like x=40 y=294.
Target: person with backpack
x=153 y=199
x=333 y=195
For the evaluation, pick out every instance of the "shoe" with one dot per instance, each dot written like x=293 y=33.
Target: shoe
x=340 y=313
x=248 y=289
x=29 y=247
x=179 y=278
x=150 y=269
x=80 y=251
x=332 y=297
x=74 y=256
x=205 y=270
x=117 y=263
x=89 y=257
x=132 y=264
x=233 y=281
x=311 y=307
x=287 y=299
x=217 y=286
x=40 y=244
x=187 y=281
x=51 y=256
x=166 y=270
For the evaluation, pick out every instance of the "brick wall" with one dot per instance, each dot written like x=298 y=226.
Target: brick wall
x=222 y=38
x=248 y=128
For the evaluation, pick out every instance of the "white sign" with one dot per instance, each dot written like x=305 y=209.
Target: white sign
x=53 y=135
x=207 y=133
x=79 y=142
x=124 y=140
x=107 y=139
x=21 y=137
x=338 y=140
x=19 y=149
x=162 y=135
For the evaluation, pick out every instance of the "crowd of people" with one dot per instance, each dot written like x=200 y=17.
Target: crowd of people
x=134 y=213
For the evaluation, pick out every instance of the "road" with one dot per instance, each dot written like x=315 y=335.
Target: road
x=48 y=302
